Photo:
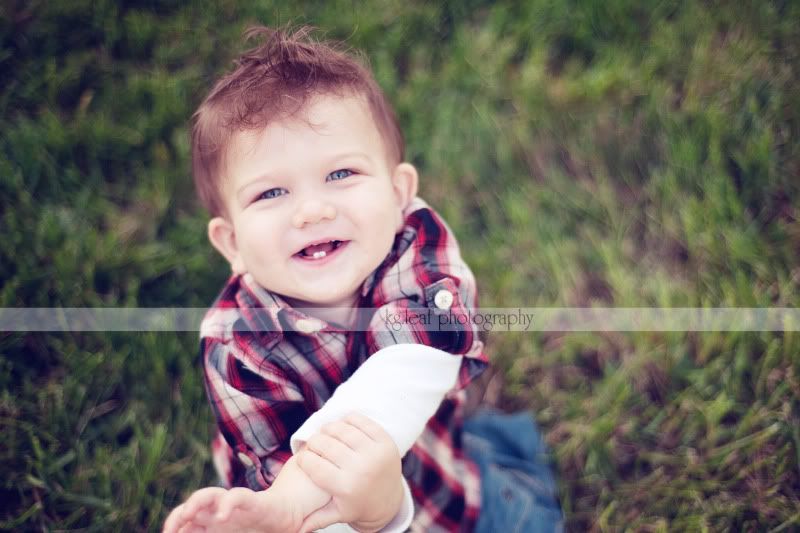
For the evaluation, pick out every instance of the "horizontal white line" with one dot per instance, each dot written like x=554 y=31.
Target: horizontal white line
x=53 y=319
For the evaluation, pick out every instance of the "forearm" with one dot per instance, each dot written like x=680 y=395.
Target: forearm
x=296 y=490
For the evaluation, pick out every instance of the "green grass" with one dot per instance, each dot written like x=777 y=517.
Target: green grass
x=613 y=153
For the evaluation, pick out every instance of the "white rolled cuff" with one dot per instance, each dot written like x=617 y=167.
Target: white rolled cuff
x=399 y=387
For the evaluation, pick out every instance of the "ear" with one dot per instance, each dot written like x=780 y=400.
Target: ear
x=404 y=183
x=223 y=238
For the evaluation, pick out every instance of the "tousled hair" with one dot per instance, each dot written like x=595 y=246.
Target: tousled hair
x=273 y=81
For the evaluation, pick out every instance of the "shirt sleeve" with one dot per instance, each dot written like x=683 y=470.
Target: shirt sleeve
x=257 y=407
x=399 y=388
x=426 y=295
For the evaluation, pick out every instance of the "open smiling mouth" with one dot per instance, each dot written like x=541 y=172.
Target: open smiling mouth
x=318 y=251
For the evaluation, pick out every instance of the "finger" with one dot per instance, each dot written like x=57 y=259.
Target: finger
x=322 y=517
x=197 y=523
x=174 y=520
x=203 y=518
x=190 y=527
x=202 y=499
x=235 y=497
x=330 y=448
x=367 y=426
x=322 y=472
x=346 y=433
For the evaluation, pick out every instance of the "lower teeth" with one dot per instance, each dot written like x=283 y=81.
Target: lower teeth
x=319 y=255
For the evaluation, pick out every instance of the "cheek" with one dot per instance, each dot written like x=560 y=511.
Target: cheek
x=258 y=239
x=385 y=233
x=380 y=218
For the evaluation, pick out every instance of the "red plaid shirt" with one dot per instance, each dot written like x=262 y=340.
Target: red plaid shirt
x=265 y=374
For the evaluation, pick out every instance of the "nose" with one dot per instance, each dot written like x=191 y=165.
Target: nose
x=312 y=211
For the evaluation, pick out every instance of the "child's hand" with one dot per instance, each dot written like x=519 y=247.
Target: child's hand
x=358 y=464
x=198 y=509
x=246 y=511
x=279 y=509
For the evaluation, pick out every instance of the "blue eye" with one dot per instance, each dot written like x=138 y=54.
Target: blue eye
x=271 y=193
x=339 y=174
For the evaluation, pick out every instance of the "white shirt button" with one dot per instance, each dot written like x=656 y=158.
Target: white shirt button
x=245 y=459
x=443 y=299
x=307 y=326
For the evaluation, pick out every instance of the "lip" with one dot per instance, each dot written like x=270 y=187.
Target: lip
x=332 y=256
x=318 y=241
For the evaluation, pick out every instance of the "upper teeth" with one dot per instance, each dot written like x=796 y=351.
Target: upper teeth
x=320 y=254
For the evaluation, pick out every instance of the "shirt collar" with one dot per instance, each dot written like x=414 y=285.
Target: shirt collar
x=267 y=312
x=402 y=241
x=259 y=308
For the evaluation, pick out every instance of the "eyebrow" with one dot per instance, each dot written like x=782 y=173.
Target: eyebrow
x=354 y=155
x=251 y=183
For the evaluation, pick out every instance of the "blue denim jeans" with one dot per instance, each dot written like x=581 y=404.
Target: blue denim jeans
x=518 y=490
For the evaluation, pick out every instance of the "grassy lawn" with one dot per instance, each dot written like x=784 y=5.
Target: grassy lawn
x=613 y=153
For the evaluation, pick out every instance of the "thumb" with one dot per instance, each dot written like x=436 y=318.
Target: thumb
x=323 y=517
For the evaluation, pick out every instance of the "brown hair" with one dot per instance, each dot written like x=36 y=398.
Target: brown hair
x=272 y=81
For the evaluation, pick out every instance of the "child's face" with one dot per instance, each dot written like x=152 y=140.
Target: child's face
x=313 y=203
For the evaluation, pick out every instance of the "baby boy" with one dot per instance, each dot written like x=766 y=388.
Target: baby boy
x=327 y=414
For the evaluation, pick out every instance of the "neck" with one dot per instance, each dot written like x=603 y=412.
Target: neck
x=342 y=313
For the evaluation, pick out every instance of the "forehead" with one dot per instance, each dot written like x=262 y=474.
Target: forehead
x=324 y=126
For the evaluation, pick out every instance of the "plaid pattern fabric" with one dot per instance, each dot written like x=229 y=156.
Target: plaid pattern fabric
x=265 y=373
